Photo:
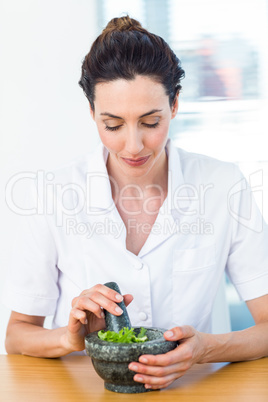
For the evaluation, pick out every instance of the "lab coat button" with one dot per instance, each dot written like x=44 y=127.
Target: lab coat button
x=138 y=265
x=143 y=316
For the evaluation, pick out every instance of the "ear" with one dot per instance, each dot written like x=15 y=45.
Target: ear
x=91 y=112
x=175 y=106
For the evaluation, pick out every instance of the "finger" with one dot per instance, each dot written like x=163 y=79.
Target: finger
x=77 y=318
x=183 y=353
x=178 y=333
x=159 y=371
x=127 y=299
x=156 y=382
x=105 y=291
x=95 y=302
x=84 y=304
x=106 y=303
x=79 y=315
x=75 y=300
x=149 y=386
x=165 y=359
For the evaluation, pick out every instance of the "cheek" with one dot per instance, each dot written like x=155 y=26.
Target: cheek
x=157 y=140
x=111 y=141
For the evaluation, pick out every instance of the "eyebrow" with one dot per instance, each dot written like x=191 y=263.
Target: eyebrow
x=143 y=115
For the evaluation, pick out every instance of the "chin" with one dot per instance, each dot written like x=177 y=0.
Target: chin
x=136 y=172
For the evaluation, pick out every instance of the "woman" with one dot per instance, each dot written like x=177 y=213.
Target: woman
x=161 y=222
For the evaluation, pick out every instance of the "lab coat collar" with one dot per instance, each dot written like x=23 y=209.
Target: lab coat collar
x=172 y=210
x=178 y=199
x=100 y=204
x=99 y=194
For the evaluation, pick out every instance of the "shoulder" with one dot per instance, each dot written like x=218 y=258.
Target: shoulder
x=192 y=159
x=75 y=167
x=207 y=168
x=75 y=171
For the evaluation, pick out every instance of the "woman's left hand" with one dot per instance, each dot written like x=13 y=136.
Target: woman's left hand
x=159 y=371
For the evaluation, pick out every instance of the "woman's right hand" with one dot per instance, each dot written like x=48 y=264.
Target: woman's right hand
x=87 y=314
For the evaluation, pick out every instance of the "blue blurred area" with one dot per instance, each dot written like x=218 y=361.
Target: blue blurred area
x=240 y=316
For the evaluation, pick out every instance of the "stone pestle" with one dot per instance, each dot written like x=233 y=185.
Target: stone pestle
x=114 y=322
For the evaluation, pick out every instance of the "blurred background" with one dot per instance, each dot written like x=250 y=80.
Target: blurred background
x=45 y=120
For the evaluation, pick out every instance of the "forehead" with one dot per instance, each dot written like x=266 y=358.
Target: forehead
x=121 y=94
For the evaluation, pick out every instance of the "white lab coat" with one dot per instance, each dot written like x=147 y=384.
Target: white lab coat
x=208 y=223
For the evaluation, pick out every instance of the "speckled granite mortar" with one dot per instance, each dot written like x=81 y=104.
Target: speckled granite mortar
x=111 y=360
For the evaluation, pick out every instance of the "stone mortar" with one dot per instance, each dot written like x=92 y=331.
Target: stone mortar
x=111 y=360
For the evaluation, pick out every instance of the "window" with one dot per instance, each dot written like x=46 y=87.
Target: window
x=223 y=47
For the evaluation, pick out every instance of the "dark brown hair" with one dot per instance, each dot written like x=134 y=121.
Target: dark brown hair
x=124 y=50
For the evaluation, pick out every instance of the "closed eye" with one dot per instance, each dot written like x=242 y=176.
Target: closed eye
x=115 y=128
x=151 y=125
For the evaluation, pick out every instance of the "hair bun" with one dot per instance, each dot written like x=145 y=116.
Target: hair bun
x=123 y=24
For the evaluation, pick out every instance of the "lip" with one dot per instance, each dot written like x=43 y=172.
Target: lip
x=137 y=161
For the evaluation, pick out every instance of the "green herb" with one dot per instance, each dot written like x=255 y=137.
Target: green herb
x=125 y=335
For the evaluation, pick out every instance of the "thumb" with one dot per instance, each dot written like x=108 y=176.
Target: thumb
x=127 y=299
x=178 y=333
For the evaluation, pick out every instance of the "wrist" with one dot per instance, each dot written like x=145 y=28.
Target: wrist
x=208 y=347
x=71 y=343
x=65 y=344
x=215 y=346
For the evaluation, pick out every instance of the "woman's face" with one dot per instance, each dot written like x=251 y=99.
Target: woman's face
x=133 y=120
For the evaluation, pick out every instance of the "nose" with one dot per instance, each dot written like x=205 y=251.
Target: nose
x=134 y=141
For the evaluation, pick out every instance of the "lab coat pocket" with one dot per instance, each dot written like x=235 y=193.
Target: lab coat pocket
x=194 y=274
